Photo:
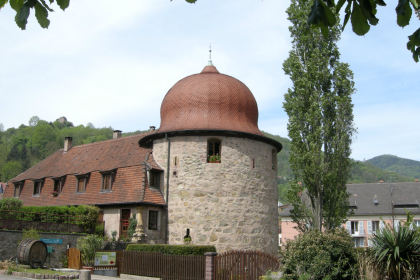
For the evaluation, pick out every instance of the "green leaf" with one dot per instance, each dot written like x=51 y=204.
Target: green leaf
x=46 y=6
x=346 y=19
x=41 y=15
x=404 y=12
x=380 y=2
x=339 y=5
x=16 y=4
x=413 y=42
x=359 y=22
x=189 y=1
x=415 y=3
x=2 y=3
x=321 y=16
x=369 y=11
x=330 y=3
x=63 y=4
x=21 y=17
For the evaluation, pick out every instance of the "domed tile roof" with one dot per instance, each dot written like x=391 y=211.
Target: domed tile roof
x=209 y=101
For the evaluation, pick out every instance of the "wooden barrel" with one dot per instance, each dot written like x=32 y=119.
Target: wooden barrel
x=32 y=252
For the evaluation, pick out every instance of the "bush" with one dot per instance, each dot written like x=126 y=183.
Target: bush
x=87 y=214
x=11 y=204
x=99 y=230
x=396 y=250
x=132 y=226
x=88 y=245
x=323 y=255
x=172 y=249
x=32 y=234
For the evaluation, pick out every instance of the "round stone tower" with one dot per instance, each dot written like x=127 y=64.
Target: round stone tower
x=222 y=187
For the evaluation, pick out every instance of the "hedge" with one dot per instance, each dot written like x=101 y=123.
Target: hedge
x=192 y=250
x=87 y=214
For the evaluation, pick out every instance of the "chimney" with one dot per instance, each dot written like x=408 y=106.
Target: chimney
x=117 y=134
x=67 y=143
x=152 y=128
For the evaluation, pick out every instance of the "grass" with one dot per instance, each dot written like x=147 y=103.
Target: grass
x=20 y=268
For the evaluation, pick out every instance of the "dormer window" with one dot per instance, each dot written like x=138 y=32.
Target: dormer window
x=37 y=188
x=214 y=150
x=81 y=183
x=17 y=190
x=107 y=181
x=154 y=179
x=58 y=184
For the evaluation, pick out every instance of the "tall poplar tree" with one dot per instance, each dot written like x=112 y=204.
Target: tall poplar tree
x=320 y=127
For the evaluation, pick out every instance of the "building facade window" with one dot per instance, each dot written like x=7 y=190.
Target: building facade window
x=355 y=227
x=374 y=226
x=359 y=242
x=214 y=150
x=37 y=188
x=153 y=220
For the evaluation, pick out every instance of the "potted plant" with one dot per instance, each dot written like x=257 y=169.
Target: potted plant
x=54 y=193
x=114 y=234
x=88 y=245
x=214 y=159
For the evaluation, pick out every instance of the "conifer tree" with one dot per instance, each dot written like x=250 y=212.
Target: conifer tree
x=320 y=127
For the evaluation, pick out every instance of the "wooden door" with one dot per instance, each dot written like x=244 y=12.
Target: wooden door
x=125 y=220
x=75 y=261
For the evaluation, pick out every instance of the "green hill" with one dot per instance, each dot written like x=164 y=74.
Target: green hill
x=399 y=165
x=361 y=172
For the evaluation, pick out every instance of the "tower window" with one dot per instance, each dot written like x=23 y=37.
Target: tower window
x=154 y=179
x=213 y=150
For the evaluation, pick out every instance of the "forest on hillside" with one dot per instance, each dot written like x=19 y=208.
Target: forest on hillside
x=403 y=166
x=361 y=172
x=25 y=146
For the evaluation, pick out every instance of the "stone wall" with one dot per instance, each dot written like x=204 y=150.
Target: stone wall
x=232 y=204
x=9 y=241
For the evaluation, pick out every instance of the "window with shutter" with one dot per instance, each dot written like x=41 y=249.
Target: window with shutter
x=361 y=230
x=81 y=184
x=369 y=227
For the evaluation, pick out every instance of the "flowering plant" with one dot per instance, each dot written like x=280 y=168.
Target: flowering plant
x=214 y=158
x=54 y=193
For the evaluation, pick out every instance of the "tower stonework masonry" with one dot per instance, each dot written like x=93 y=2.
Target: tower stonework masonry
x=222 y=187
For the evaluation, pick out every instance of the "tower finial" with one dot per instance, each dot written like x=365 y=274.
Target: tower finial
x=210 y=62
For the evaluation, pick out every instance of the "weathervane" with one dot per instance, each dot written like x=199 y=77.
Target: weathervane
x=210 y=63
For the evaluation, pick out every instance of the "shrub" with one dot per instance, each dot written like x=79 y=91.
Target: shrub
x=11 y=204
x=88 y=245
x=99 y=230
x=132 y=224
x=396 y=250
x=32 y=234
x=172 y=249
x=323 y=255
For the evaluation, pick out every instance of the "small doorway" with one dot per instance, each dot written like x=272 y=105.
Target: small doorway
x=125 y=220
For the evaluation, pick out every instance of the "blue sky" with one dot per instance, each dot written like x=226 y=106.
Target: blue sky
x=112 y=63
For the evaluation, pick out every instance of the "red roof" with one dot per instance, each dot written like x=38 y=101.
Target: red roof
x=122 y=154
x=209 y=101
x=99 y=156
